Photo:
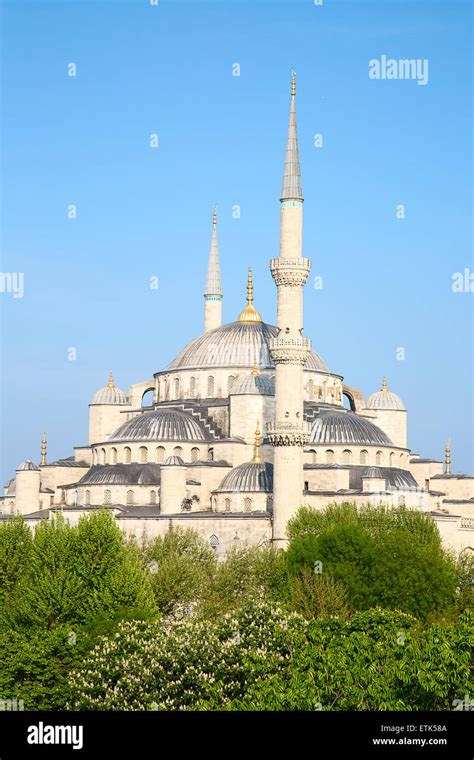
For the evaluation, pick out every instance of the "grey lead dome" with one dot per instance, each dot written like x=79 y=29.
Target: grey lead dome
x=161 y=425
x=236 y=344
x=346 y=427
x=249 y=477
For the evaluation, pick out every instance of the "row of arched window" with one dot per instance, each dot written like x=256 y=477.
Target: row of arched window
x=247 y=504
x=144 y=455
x=323 y=392
x=348 y=458
x=165 y=393
x=130 y=497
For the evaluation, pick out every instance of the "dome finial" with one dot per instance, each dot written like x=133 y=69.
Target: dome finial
x=384 y=385
x=43 y=450
x=447 y=457
x=249 y=314
x=111 y=381
x=257 y=457
x=255 y=371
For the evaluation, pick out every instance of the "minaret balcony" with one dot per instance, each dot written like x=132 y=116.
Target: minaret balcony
x=289 y=350
x=288 y=434
x=293 y=272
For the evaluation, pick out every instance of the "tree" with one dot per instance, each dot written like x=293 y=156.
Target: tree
x=382 y=557
x=15 y=552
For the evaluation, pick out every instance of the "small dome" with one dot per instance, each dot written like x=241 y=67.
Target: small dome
x=177 y=461
x=110 y=394
x=253 y=477
x=373 y=472
x=346 y=427
x=254 y=383
x=385 y=399
x=165 y=424
x=27 y=465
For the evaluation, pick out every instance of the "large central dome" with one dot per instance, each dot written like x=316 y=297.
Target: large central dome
x=237 y=344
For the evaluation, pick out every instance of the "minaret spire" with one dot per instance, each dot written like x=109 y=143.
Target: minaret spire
x=213 y=288
x=291 y=187
x=289 y=432
x=447 y=457
x=43 y=450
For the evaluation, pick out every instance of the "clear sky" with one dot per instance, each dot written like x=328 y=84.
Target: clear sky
x=145 y=212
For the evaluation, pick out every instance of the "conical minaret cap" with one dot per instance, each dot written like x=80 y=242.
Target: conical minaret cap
x=291 y=187
x=213 y=279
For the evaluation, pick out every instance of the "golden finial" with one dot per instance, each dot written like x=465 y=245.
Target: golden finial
x=257 y=457
x=384 y=385
x=447 y=458
x=255 y=371
x=293 y=83
x=111 y=381
x=43 y=449
x=214 y=216
x=249 y=314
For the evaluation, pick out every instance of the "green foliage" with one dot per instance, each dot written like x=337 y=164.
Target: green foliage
x=382 y=557
x=180 y=565
x=76 y=574
x=15 y=552
x=315 y=595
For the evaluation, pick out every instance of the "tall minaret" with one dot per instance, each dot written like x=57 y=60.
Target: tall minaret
x=213 y=289
x=288 y=434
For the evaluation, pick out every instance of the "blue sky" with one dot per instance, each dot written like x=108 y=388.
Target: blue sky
x=143 y=212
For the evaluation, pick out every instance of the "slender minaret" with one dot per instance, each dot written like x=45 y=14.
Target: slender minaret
x=213 y=289
x=289 y=433
x=43 y=450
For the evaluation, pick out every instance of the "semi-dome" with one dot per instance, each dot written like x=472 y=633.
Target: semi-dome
x=122 y=474
x=254 y=477
x=253 y=384
x=346 y=427
x=174 y=460
x=165 y=424
x=109 y=394
x=385 y=399
x=236 y=344
x=27 y=465
x=373 y=472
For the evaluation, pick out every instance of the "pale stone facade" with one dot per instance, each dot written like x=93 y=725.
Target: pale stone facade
x=243 y=426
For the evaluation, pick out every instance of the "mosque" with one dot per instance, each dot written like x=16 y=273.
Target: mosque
x=244 y=425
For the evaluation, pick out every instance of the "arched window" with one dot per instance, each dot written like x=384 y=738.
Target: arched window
x=247 y=504
x=311 y=390
x=143 y=455
x=194 y=454
x=127 y=454
x=192 y=387
x=178 y=451
x=160 y=454
x=391 y=459
x=147 y=397
x=87 y=498
x=152 y=497
x=314 y=456
x=330 y=456
x=364 y=455
x=214 y=541
x=401 y=459
x=103 y=457
x=378 y=457
x=129 y=497
x=176 y=387
x=230 y=382
x=227 y=505
x=347 y=456
x=210 y=386
x=113 y=455
x=210 y=455
x=107 y=497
